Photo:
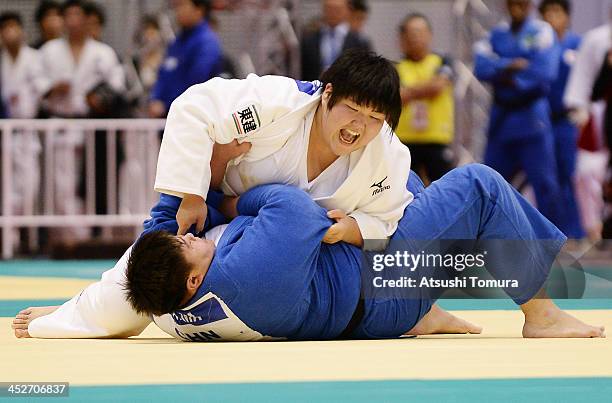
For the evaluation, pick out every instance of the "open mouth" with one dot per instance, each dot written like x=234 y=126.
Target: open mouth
x=348 y=136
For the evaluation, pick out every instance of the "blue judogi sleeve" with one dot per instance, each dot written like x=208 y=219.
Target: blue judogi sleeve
x=543 y=66
x=489 y=66
x=163 y=216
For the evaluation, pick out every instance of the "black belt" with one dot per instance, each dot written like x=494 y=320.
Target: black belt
x=355 y=320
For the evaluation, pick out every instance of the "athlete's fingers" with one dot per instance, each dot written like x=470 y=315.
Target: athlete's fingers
x=183 y=228
x=200 y=223
x=244 y=148
x=336 y=214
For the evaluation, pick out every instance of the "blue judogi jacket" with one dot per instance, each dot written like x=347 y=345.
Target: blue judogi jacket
x=520 y=106
x=194 y=57
x=271 y=275
x=568 y=47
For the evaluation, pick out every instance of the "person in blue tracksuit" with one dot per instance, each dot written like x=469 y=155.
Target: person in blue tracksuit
x=194 y=57
x=270 y=276
x=520 y=61
x=557 y=13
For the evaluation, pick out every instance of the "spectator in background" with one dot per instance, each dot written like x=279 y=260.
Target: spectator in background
x=22 y=76
x=81 y=74
x=22 y=85
x=321 y=47
x=358 y=14
x=194 y=57
x=75 y=65
x=95 y=20
x=557 y=13
x=48 y=16
x=427 y=121
x=593 y=56
x=520 y=60
x=149 y=52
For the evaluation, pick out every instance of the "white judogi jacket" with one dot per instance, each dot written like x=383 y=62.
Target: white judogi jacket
x=22 y=82
x=271 y=112
x=97 y=63
x=590 y=58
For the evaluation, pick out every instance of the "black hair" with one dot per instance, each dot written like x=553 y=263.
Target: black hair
x=359 y=5
x=44 y=8
x=157 y=273
x=10 y=16
x=74 y=3
x=92 y=8
x=367 y=79
x=414 y=16
x=564 y=4
x=149 y=19
x=203 y=4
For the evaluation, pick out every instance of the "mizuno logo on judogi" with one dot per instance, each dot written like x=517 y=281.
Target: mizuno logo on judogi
x=246 y=120
x=379 y=186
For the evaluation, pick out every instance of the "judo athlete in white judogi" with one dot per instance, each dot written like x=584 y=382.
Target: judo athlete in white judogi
x=329 y=138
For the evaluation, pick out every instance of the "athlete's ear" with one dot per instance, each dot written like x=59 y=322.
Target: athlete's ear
x=326 y=96
x=194 y=281
x=327 y=92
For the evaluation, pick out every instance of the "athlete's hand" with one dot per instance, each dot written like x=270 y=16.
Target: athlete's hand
x=518 y=64
x=192 y=210
x=221 y=155
x=229 y=207
x=345 y=229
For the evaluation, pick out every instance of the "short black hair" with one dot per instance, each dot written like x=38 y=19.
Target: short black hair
x=149 y=20
x=203 y=4
x=10 y=16
x=157 y=273
x=74 y=3
x=44 y=8
x=564 y=4
x=414 y=16
x=367 y=79
x=92 y=8
x=359 y=5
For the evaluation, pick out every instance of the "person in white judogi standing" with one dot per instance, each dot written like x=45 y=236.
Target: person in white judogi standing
x=73 y=66
x=332 y=138
x=22 y=86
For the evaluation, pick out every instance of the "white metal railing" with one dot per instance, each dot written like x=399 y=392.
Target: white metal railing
x=41 y=167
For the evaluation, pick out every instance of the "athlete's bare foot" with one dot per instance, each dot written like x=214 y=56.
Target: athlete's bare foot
x=23 y=319
x=545 y=319
x=438 y=321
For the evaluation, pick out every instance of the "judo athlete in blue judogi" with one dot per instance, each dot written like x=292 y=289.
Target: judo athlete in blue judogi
x=520 y=61
x=267 y=275
x=271 y=277
x=557 y=14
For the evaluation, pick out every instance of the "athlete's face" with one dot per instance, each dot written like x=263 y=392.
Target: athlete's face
x=348 y=126
x=198 y=252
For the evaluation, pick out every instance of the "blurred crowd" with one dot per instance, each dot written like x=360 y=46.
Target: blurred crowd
x=547 y=83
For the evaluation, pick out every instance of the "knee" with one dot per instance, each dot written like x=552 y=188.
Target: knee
x=480 y=172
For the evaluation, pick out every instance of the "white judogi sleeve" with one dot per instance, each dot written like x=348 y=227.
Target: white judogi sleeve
x=100 y=310
x=374 y=193
x=589 y=60
x=384 y=205
x=220 y=111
